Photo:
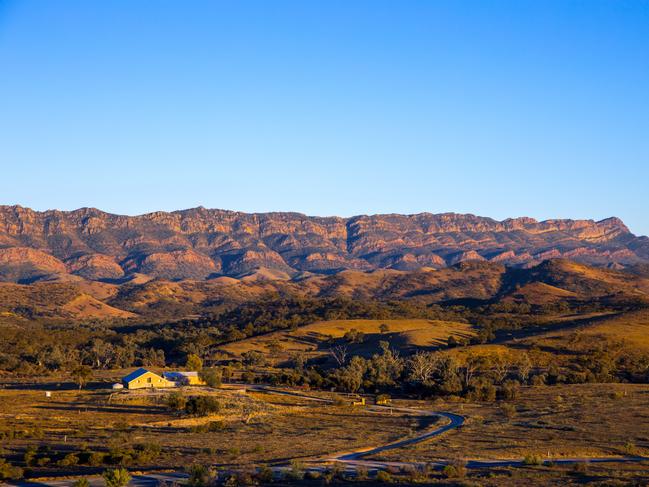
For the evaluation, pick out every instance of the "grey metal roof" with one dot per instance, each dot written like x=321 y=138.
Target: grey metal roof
x=178 y=375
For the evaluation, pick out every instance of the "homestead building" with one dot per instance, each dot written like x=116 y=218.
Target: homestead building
x=143 y=378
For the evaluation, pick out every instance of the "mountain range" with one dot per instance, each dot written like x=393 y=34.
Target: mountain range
x=203 y=244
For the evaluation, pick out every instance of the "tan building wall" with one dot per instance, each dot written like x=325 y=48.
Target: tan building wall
x=195 y=381
x=148 y=380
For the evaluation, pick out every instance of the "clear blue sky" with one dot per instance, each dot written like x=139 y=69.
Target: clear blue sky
x=536 y=108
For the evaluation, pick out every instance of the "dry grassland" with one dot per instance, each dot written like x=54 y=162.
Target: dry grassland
x=588 y=420
x=315 y=339
x=248 y=429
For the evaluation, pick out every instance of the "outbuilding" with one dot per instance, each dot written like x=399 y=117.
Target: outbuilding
x=189 y=378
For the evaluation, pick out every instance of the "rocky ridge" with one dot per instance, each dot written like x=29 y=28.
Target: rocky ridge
x=203 y=243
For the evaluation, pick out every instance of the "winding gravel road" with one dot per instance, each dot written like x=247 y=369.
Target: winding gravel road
x=354 y=459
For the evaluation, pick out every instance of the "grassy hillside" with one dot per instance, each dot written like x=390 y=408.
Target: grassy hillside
x=628 y=329
x=316 y=339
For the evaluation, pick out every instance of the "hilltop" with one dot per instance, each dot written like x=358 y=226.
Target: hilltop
x=545 y=286
x=203 y=244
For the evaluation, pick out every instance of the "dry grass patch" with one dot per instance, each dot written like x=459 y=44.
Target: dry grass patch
x=248 y=428
x=315 y=339
x=589 y=420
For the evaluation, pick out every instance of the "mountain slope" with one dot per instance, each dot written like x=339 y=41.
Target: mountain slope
x=470 y=283
x=204 y=244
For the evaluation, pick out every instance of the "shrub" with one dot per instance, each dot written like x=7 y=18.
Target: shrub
x=82 y=482
x=253 y=358
x=176 y=401
x=580 y=468
x=508 y=410
x=509 y=390
x=68 y=460
x=354 y=336
x=483 y=390
x=214 y=426
x=146 y=452
x=538 y=380
x=531 y=459
x=29 y=457
x=383 y=476
x=200 y=475
x=202 y=406
x=96 y=458
x=9 y=472
x=630 y=448
x=119 y=456
x=296 y=472
x=312 y=475
x=338 y=471
x=455 y=469
x=211 y=377
x=264 y=475
x=248 y=377
x=118 y=477
x=239 y=479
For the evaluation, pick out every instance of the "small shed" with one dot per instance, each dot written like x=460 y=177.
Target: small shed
x=358 y=401
x=184 y=378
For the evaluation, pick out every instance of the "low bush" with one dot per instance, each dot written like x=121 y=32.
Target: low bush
x=455 y=470
x=383 y=477
x=531 y=459
x=202 y=406
x=264 y=475
x=68 y=460
x=9 y=471
x=118 y=477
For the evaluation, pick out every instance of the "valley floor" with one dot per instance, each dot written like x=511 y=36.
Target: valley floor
x=253 y=428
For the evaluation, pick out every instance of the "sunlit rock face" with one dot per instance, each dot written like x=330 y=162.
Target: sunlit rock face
x=202 y=244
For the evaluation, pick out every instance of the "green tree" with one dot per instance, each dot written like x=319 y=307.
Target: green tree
x=253 y=358
x=202 y=406
x=117 y=477
x=81 y=375
x=211 y=376
x=385 y=368
x=351 y=376
x=200 y=475
x=194 y=362
x=274 y=347
x=176 y=401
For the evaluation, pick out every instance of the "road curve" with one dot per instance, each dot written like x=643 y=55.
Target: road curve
x=455 y=421
x=354 y=459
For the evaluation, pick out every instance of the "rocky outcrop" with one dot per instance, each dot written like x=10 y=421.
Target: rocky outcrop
x=95 y=267
x=201 y=243
x=23 y=264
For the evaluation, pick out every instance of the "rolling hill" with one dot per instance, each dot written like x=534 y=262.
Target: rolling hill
x=469 y=284
x=315 y=340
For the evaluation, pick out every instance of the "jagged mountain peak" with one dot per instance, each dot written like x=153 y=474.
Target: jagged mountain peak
x=202 y=243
